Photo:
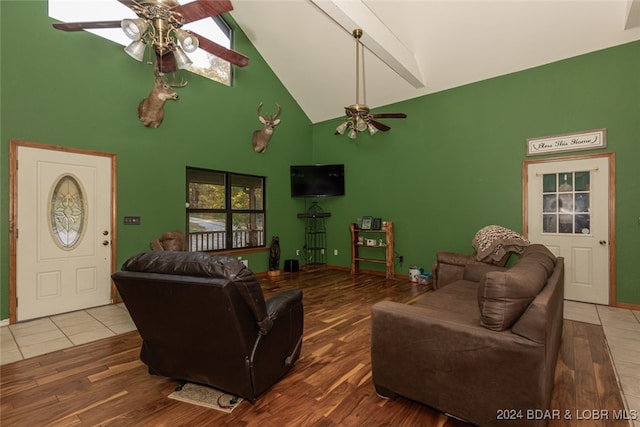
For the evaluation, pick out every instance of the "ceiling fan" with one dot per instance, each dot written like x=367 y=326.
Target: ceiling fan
x=159 y=24
x=359 y=118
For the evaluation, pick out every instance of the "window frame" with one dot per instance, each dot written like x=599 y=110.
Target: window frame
x=227 y=210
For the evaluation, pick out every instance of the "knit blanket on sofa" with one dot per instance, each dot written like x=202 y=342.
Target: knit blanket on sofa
x=493 y=242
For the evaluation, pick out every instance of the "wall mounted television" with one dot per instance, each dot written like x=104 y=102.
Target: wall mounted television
x=317 y=180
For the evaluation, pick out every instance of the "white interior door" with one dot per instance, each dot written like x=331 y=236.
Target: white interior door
x=568 y=211
x=63 y=245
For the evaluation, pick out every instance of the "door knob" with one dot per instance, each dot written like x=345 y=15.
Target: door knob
x=603 y=242
x=105 y=243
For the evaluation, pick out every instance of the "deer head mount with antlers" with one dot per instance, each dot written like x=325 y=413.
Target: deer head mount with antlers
x=261 y=137
x=151 y=109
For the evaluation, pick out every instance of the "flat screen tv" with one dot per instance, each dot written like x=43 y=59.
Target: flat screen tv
x=317 y=180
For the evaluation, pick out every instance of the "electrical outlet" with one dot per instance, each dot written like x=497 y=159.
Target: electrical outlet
x=298 y=252
x=401 y=259
x=322 y=251
x=335 y=252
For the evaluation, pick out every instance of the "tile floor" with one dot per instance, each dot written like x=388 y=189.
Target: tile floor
x=27 y=339
x=34 y=337
x=622 y=331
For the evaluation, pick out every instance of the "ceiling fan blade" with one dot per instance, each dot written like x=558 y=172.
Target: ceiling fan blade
x=79 y=26
x=236 y=58
x=199 y=9
x=129 y=3
x=389 y=116
x=379 y=126
x=166 y=63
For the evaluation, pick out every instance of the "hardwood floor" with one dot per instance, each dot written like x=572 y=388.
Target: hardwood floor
x=104 y=382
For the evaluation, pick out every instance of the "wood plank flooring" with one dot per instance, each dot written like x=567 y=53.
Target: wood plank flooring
x=104 y=382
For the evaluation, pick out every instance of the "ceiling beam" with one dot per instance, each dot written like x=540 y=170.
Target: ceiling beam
x=376 y=36
x=633 y=14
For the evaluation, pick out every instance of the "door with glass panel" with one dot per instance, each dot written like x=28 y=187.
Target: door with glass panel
x=64 y=231
x=569 y=210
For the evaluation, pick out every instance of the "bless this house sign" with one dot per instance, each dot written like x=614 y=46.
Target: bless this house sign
x=587 y=140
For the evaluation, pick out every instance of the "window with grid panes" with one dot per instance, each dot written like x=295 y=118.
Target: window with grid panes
x=566 y=203
x=225 y=210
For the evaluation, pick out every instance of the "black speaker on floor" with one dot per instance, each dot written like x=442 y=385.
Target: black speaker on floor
x=291 y=266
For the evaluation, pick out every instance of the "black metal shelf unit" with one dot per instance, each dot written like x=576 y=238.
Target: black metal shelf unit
x=315 y=235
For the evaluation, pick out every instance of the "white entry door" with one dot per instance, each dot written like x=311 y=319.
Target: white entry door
x=568 y=211
x=63 y=245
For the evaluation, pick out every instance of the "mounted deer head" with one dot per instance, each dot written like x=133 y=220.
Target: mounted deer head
x=151 y=109
x=261 y=137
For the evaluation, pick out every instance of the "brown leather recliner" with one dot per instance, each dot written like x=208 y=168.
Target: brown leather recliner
x=204 y=319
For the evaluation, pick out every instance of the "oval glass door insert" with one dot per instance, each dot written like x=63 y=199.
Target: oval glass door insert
x=67 y=211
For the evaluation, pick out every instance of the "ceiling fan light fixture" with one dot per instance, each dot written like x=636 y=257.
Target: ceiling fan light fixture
x=134 y=28
x=136 y=49
x=182 y=60
x=361 y=124
x=359 y=118
x=340 y=129
x=188 y=41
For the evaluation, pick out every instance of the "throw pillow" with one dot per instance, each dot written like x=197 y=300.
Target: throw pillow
x=504 y=296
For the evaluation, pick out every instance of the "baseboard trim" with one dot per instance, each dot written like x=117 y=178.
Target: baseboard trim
x=627 y=305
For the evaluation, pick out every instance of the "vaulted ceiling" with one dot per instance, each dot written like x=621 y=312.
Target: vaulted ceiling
x=427 y=45
x=413 y=47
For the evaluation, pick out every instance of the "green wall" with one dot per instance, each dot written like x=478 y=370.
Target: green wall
x=455 y=164
x=78 y=90
x=452 y=167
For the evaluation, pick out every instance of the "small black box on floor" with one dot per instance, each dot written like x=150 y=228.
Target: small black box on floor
x=291 y=266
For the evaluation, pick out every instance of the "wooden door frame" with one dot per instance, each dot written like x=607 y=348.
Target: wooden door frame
x=612 y=207
x=13 y=212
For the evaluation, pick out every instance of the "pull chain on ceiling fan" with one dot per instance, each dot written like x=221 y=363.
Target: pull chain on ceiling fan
x=359 y=118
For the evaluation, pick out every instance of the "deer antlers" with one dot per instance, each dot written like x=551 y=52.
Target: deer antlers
x=261 y=137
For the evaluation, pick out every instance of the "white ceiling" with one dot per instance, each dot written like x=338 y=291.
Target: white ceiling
x=446 y=43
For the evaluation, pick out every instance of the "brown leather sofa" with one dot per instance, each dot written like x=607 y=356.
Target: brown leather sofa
x=482 y=347
x=204 y=319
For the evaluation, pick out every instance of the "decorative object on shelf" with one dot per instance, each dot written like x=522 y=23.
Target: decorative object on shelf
x=372 y=247
x=274 y=257
x=376 y=224
x=262 y=136
x=151 y=109
x=366 y=222
x=359 y=118
x=159 y=25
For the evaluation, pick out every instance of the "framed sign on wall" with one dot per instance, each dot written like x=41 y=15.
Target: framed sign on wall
x=586 y=140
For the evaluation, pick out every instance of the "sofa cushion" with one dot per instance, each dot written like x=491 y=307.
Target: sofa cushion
x=504 y=296
x=541 y=254
x=476 y=271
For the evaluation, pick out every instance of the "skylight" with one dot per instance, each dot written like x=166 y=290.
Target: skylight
x=204 y=63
